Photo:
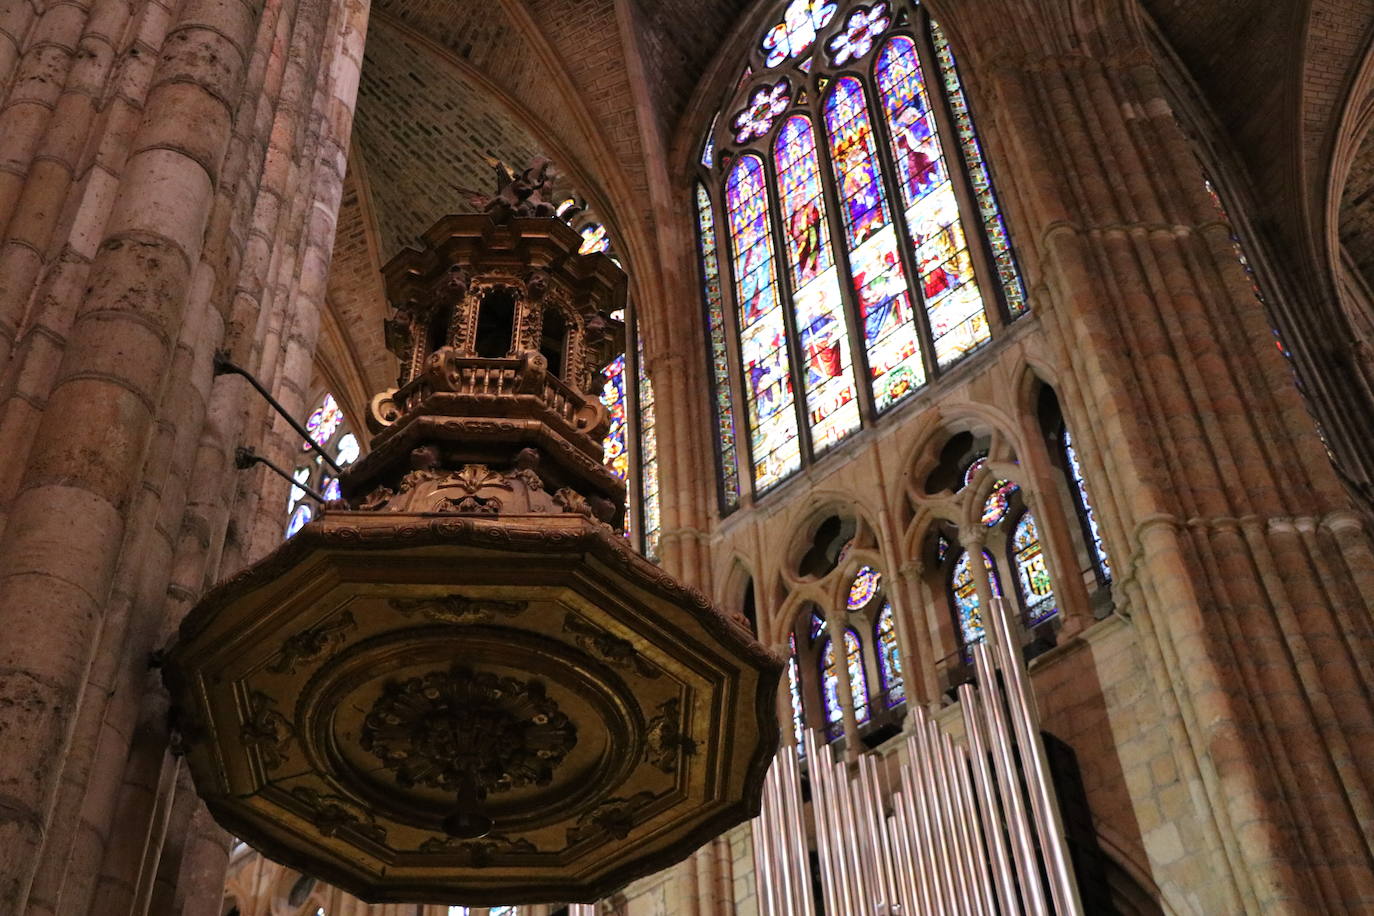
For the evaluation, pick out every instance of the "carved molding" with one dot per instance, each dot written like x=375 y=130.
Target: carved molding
x=457 y=609
x=607 y=647
x=313 y=643
x=665 y=743
x=267 y=730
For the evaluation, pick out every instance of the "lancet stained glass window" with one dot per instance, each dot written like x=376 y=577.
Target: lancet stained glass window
x=854 y=670
x=965 y=593
x=648 y=459
x=828 y=377
x=794 y=692
x=720 y=359
x=1031 y=572
x=886 y=258
x=773 y=441
x=327 y=427
x=889 y=656
x=1085 y=506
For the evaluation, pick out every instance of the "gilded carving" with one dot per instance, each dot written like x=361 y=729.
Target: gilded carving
x=478 y=853
x=457 y=609
x=267 y=730
x=665 y=742
x=332 y=813
x=607 y=647
x=614 y=816
x=312 y=643
x=446 y=728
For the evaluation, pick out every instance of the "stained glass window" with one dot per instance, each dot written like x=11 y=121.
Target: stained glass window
x=998 y=503
x=854 y=669
x=994 y=227
x=889 y=656
x=894 y=354
x=1085 y=506
x=861 y=27
x=720 y=361
x=763 y=333
x=594 y=239
x=796 y=33
x=323 y=421
x=817 y=626
x=864 y=588
x=613 y=395
x=794 y=690
x=1034 y=576
x=945 y=267
x=648 y=461
x=457 y=911
x=329 y=429
x=916 y=287
x=966 y=596
x=831 y=401
x=757 y=117
x=503 y=911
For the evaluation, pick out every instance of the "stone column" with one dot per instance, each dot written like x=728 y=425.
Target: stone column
x=1257 y=632
x=63 y=537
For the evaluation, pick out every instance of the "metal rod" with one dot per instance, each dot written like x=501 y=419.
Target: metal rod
x=796 y=820
x=919 y=848
x=245 y=458
x=973 y=834
x=1009 y=782
x=781 y=858
x=882 y=849
x=224 y=366
x=946 y=812
x=829 y=886
x=994 y=837
x=949 y=888
x=918 y=787
x=1045 y=804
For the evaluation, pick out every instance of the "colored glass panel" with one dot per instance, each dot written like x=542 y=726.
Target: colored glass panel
x=854 y=670
x=1033 y=574
x=994 y=226
x=966 y=596
x=457 y=911
x=708 y=148
x=997 y=504
x=864 y=587
x=817 y=626
x=765 y=103
x=941 y=548
x=331 y=489
x=889 y=656
x=616 y=452
x=796 y=33
x=347 y=450
x=299 y=518
x=974 y=467
x=648 y=460
x=794 y=690
x=1080 y=490
x=831 y=402
x=300 y=475
x=894 y=353
x=503 y=911
x=954 y=305
x=323 y=421
x=763 y=344
x=861 y=29
x=594 y=239
x=720 y=361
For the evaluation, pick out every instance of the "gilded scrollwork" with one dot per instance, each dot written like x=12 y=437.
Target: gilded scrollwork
x=457 y=609
x=609 y=648
x=312 y=643
x=267 y=730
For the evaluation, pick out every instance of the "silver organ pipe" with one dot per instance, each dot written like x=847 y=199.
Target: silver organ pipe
x=957 y=825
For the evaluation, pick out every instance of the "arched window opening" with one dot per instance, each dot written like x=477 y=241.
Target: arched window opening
x=330 y=430
x=1085 y=507
x=831 y=399
x=965 y=597
x=864 y=588
x=795 y=695
x=300 y=891
x=816 y=626
x=865 y=261
x=830 y=681
x=832 y=536
x=719 y=351
x=553 y=339
x=773 y=441
x=495 y=324
x=889 y=657
x=1037 y=591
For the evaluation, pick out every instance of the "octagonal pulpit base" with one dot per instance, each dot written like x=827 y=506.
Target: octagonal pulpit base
x=429 y=708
